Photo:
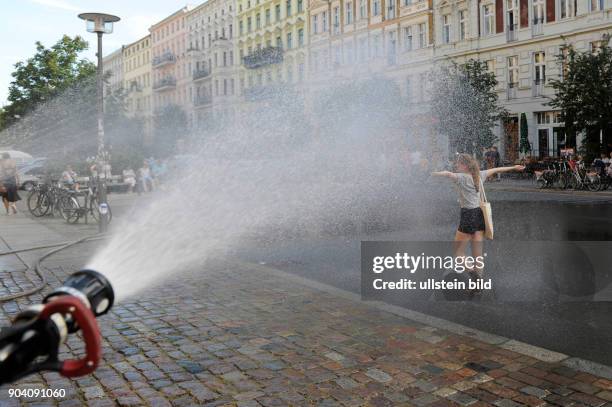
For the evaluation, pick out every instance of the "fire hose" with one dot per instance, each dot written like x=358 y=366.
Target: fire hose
x=31 y=343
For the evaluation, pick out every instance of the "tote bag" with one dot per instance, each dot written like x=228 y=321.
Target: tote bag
x=485 y=206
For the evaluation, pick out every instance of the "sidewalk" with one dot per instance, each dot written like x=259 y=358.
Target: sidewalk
x=243 y=335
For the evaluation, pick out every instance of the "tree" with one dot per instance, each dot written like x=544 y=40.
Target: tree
x=170 y=126
x=584 y=95
x=524 y=146
x=465 y=105
x=48 y=73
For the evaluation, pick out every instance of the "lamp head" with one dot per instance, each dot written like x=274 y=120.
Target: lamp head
x=99 y=22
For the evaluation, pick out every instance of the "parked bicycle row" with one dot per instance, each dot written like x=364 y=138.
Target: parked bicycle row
x=575 y=174
x=54 y=199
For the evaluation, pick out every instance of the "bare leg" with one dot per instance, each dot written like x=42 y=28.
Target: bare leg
x=477 y=249
x=460 y=244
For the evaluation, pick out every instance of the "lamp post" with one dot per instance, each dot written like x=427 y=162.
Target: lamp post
x=100 y=24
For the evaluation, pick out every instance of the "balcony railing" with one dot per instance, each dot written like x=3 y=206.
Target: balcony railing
x=165 y=83
x=538 y=26
x=512 y=32
x=200 y=74
x=163 y=59
x=538 y=87
x=263 y=56
x=260 y=92
x=511 y=91
x=202 y=100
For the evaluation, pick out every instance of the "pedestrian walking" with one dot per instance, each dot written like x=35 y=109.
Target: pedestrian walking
x=9 y=179
x=468 y=181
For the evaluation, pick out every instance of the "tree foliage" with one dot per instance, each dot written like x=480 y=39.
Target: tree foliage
x=169 y=126
x=584 y=94
x=45 y=75
x=465 y=105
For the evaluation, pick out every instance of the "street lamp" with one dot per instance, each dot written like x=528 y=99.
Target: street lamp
x=100 y=24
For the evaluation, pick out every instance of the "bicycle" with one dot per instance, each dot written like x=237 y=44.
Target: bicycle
x=90 y=207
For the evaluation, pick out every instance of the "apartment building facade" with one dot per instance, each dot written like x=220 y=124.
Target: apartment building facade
x=112 y=65
x=137 y=82
x=211 y=61
x=352 y=39
x=170 y=74
x=521 y=40
x=271 y=45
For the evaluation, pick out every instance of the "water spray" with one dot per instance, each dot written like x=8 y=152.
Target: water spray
x=31 y=344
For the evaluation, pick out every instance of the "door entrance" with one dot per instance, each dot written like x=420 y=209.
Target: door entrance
x=511 y=139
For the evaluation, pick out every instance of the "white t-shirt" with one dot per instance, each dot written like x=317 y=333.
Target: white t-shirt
x=469 y=197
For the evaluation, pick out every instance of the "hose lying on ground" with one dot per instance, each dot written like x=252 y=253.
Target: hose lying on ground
x=37 y=265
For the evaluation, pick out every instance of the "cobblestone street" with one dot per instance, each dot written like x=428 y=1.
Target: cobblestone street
x=233 y=335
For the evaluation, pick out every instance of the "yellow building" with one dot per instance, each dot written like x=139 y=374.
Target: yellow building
x=272 y=41
x=137 y=81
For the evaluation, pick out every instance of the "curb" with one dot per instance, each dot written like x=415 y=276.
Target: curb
x=522 y=348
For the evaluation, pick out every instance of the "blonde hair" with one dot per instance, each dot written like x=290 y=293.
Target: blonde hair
x=472 y=165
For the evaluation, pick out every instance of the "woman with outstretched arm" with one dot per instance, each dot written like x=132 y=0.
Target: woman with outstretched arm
x=467 y=180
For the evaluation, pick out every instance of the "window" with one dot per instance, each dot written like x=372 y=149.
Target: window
x=315 y=24
x=446 y=28
x=277 y=12
x=409 y=89
x=391 y=48
x=539 y=61
x=349 y=12
x=407 y=38
x=568 y=8
x=301 y=37
x=538 y=12
x=249 y=25
x=363 y=12
x=488 y=20
x=279 y=42
x=288 y=8
x=300 y=6
x=231 y=31
x=375 y=7
x=512 y=13
x=363 y=49
x=491 y=66
x=462 y=24
x=513 y=72
x=268 y=16
x=596 y=5
x=258 y=21
x=596 y=46
x=407 y=2
x=391 y=9
x=289 y=41
x=324 y=21
x=336 y=20
x=422 y=38
x=376 y=48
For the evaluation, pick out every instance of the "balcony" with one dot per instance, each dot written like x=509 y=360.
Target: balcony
x=538 y=87
x=511 y=91
x=261 y=92
x=262 y=57
x=163 y=59
x=169 y=82
x=512 y=32
x=538 y=26
x=200 y=74
x=202 y=100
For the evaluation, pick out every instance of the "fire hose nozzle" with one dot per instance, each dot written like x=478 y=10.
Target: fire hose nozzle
x=40 y=330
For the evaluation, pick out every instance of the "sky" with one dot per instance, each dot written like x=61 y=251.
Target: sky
x=23 y=22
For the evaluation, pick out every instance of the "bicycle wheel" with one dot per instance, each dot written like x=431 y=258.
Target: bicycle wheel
x=95 y=210
x=70 y=209
x=34 y=203
x=594 y=184
x=541 y=183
